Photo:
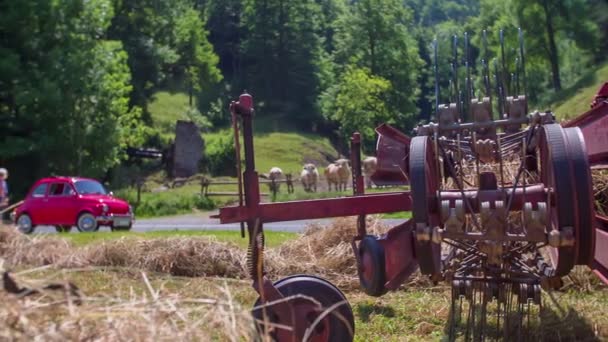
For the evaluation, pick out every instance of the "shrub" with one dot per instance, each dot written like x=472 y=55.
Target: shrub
x=166 y=203
x=220 y=156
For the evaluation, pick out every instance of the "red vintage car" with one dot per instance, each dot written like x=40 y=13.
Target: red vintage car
x=64 y=202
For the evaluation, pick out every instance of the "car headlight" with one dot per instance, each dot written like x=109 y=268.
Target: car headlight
x=104 y=208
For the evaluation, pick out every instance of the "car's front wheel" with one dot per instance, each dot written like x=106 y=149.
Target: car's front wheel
x=25 y=224
x=87 y=223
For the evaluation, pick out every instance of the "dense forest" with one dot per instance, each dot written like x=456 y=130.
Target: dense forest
x=76 y=76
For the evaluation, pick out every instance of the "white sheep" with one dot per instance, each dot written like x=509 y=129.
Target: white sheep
x=309 y=177
x=369 y=166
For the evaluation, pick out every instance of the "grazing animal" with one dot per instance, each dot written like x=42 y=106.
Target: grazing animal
x=275 y=175
x=369 y=165
x=338 y=174
x=309 y=177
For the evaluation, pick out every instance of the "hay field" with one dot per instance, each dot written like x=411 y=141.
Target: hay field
x=195 y=288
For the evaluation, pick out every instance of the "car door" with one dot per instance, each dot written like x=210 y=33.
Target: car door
x=70 y=207
x=37 y=204
x=60 y=204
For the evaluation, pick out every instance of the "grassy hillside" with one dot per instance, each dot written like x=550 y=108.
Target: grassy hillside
x=276 y=142
x=287 y=150
x=575 y=100
x=166 y=108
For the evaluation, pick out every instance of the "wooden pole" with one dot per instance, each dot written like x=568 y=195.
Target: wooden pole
x=9 y=208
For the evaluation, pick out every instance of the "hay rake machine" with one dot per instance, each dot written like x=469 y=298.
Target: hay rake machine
x=502 y=207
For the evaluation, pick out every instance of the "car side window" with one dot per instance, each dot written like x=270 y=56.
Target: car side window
x=67 y=190
x=60 y=189
x=40 y=190
x=56 y=189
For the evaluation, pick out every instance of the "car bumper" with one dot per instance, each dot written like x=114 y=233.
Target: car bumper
x=116 y=220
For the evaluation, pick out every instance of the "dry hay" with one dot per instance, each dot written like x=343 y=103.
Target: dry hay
x=179 y=256
x=18 y=249
x=600 y=191
x=322 y=250
x=152 y=316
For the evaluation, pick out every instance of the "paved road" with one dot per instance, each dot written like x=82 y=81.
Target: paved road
x=203 y=222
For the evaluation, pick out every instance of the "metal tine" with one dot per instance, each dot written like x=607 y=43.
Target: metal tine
x=486 y=67
x=436 y=79
x=517 y=69
x=498 y=92
x=467 y=98
x=452 y=336
x=503 y=61
x=484 y=310
x=450 y=90
x=469 y=318
x=455 y=74
x=522 y=58
x=512 y=85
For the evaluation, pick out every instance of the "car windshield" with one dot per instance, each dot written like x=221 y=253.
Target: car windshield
x=86 y=187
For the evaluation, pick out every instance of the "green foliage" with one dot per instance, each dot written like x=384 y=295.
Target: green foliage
x=220 y=154
x=575 y=100
x=165 y=39
x=358 y=103
x=283 y=51
x=165 y=203
x=82 y=80
x=64 y=90
x=166 y=108
x=376 y=35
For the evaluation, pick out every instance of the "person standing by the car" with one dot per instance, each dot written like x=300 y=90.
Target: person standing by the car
x=3 y=188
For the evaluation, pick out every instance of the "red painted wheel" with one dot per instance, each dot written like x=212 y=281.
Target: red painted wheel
x=338 y=325
x=371 y=268
x=424 y=178
x=556 y=174
x=584 y=196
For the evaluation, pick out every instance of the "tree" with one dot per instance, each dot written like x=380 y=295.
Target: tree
x=358 y=103
x=165 y=41
x=376 y=35
x=282 y=53
x=197 y=61
x=64 y=90
x=560 y=19
x=226 y=34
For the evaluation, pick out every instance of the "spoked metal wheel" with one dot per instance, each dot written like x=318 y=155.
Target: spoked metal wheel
x=87 y=223
x=25 y=224
x=328 y=315
x=424 y=180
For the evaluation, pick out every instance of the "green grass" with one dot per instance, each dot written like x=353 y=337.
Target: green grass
x=576 y=99
x=166 y=108
x=398 y=215
x=286 y=150
x=181 y=200
x=273 y=239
